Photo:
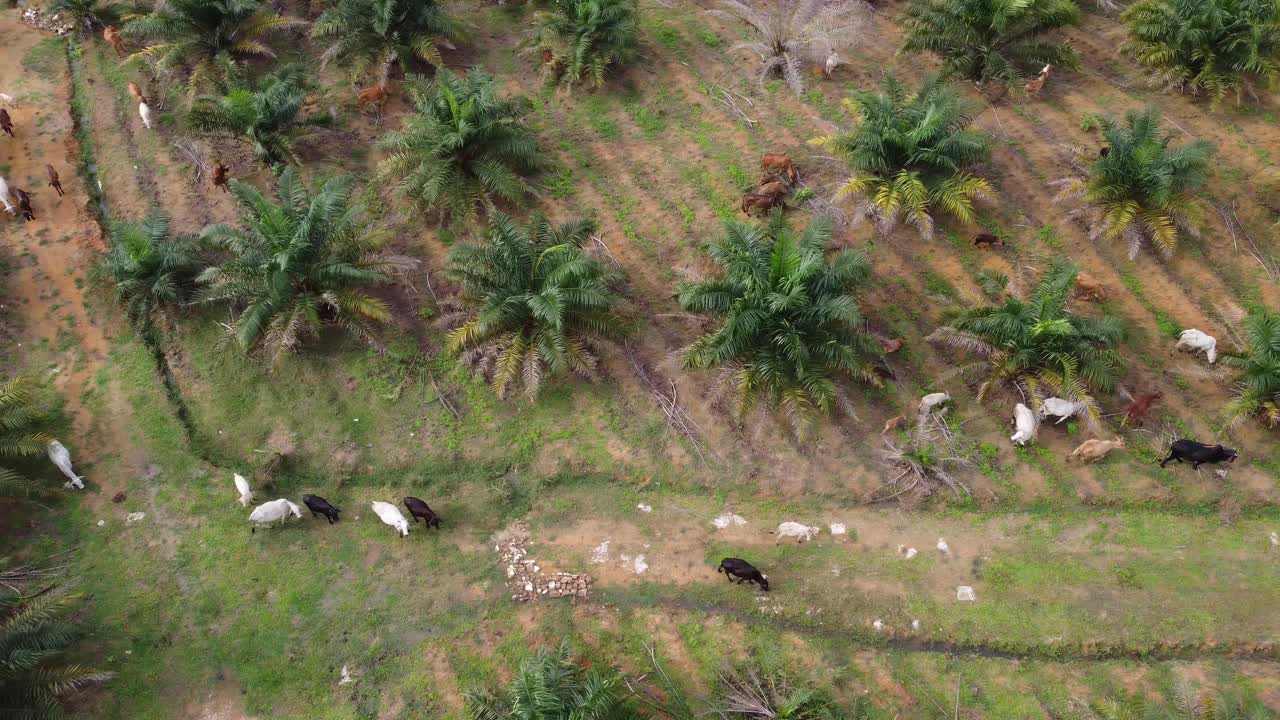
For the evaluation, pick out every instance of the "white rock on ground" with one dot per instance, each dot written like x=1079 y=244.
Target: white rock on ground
x=346 y=677
x=644 y=508
x=1275 y=539
x=839 y=529
x=601 y=553
x=943 y=547
x=639 y=565
x=915 y=624
x=729 y=519
x=907 y=552
x=134 y=517
x=878 y=625
x=964 y=593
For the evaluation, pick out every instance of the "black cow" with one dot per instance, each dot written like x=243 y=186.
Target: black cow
x=24 y=204
x=744 y=571
x=319 y=506
x=1198 y=453
x=419 y=509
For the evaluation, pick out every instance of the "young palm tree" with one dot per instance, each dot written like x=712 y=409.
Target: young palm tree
x=1211 y=47
x=790 y=328
x=36 y=630
x=462 y=147
x=298 y=265
x=150 y=269
x=21 y=435
x=1187 y=704
x=1039 y=347
x=540 y=301
x=549 y=686
x=374 y=36
x=266 y=119
x=797 y=34
x=205 y=37
x=909 y=153
x=1258 y=385
x=1142 y=190
x=999 y=40
x=581 y=39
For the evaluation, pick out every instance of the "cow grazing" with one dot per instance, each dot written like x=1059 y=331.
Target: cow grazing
x=892 y=424
x=242 y=487
x=135 y=92
x=763 y=203
x=799 y=531
x=4 y=197
x=1197 y=341
x=987 y=240
x=889 y=347
x=744 y=572
x=1094 y=449
x=60 y=456
x=275 y=511
x=1090 y=289
x=24 y=204
x=375 y=96
x=932 y=400
x=6 y=122
x=220 y=176
x=419 y=509
x=7 y=99
x=1138 y=409
x=319 y=506
x=54 y=182
x=773 y=187
x=1036 y=84
x=779 y=165
x=1024 y=422
x=833 y=61
x=1198 y=453
x=144 y=111
x=1059 y=408
x=114 y=39
x=390 y=514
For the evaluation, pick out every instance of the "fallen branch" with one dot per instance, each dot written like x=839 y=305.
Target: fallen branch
x=725 y=97
x=678 y=419
x=188 y=147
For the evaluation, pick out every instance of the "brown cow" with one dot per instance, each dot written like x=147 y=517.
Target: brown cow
x=1095 y=449
x=779 y=164
x=756 y=201
x=1140 y=406
x=220 y=177
x=888 y=347
x=1087 y=288
x=892 y=424
x=1034 y=86
x=6 y=123
x=771 y=188
x=113 y=38
x=987 y=240
x=375 y=96
x=24 y=204
x=54 y=182
x=136 y=93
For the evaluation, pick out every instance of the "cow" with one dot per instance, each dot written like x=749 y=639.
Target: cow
x=136 y=92
x=390 y=514
x=273 y=512
x=220 y=176
x=889 y=347
x=1090 y=289
x=1197 y=341
x=419 y=509
x=144 y=111
x=1094 y=449
x=7 y=99
x=799 y=531
x=932 y=400
x=1059 y=408
x=113 y=38
x=54 y=182
x=1138 y=409
x=779 y=165
x=757 y=201
x=319 y=506
x=375 y=96
x=4 y=197
x=61 y=457
x=892 y=424
x=1025 y=423
x=987 y=240
x=1198 y=453
x=773 y=187
x=242 y=487
x=6 y=122
x=24 y=204
x=743 y=571
x=1034 y=86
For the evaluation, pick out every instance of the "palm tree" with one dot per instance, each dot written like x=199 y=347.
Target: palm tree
x=1258 y=385
x=909 y=153
x=88 y=14
x=540 y=302
x=298 y=265
x=266 y=119
x=1141 y=190
x=377 y=35
x=22 y=435
x=150 y=270
x=205 y=37
x=1000 y=40
x=463 y=146
x=1038 y=346
x=790 y=328
x=797 y=34
x=1187 y=705
x=1214 y=47
x=36 y=630
x=581 y=39
x=549 y=686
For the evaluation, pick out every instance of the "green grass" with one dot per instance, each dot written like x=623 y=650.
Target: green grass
x=46 y=58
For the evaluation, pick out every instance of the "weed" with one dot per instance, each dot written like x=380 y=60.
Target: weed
x=1047 y=235
x=561 y=184
x=707 y=37
x=668 y=36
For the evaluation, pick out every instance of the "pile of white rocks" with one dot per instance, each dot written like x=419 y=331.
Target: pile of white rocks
x=37 y=18
x=526 y=578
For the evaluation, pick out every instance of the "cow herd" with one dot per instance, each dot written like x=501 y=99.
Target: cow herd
x=280 y=510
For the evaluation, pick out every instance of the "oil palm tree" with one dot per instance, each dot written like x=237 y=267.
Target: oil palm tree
x=150 y=270
x=1038 y=346
x=909 y=154
x=375 y=36
x=1211 y=47
x=1258 y=384
x=1187 y=704
x=793 y=35
x=582 y=39
x=1000 y=40
x=549 y=686
x=267 y=119
x=789 y=328
x=464 y=146
x=298 y=265
x=36 y=632
x=22 y=434
x=206 y=38
x=1142 y=191
x=539 y=303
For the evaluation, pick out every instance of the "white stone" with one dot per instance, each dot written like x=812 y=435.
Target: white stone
x=346 y=677
x=601 y=553
x=964 y=593
x=915 y=624
x=511 y=570
x=728 y=519
x=528 y=587
x=877 y=625
x=839 y=529
x=642 y=507
x=134 y=517
x=640 y=566
x=943 y=547
x=104 y=522
x=1275 y=539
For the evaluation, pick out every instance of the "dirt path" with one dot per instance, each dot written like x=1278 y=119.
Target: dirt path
x=57 y=251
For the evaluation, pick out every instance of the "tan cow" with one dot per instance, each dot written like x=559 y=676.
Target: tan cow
x=375 y=96
x=779 y=164
x=1088 y=288
x=114 y=39
x=1091 y=450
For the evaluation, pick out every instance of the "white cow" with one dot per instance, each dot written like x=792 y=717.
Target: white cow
x=1197 y=341
x=799 y=531
x=272 y=512
x=62 y=458
x=932 y=400
x=4 y=197
x=7 y=99
x=1025 y=421
x=1057 y=407
x=390 y=514
x=144 y=110
x=242 y=487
